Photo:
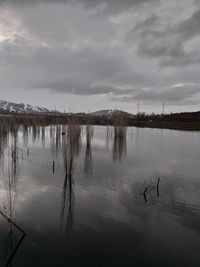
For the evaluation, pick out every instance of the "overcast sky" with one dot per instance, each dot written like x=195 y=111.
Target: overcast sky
x=91 y=54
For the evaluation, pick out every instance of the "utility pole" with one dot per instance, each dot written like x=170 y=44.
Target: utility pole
x=163 y=108
x=138 y=107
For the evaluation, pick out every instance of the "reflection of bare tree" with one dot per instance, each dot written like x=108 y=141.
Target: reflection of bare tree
x=70 y=148
x=108 y=137
x=4 y=136
x=6 y=253
x=88 y=161
x=76 y=143
x=52 y=139
x=55 y=139
x=10 y=170
x=43 y=135
x=58 y=138
x=34 y=133
x=119 y=142
x=25 y=135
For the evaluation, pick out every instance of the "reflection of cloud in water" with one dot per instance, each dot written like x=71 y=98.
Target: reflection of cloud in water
x=111 y=197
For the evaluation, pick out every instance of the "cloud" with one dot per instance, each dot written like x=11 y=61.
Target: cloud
x=168 y=42
x=174 y=93
x=119 y=49
x=111 y=5
x=61 y=69
x=189 y=28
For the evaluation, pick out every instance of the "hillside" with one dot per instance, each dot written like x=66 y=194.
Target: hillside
x=7 y=107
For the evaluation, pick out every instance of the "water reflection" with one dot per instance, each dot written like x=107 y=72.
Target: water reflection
x=4 y=139
x=55 y=139
x=34 y=133
x=167 y=195
x=152 y=191
x=10 y=168
x=88 y=159
x=52 y=139
x=119 y=143
x=43 y=136
x=25 y=131
x=108 y=137
x=118 y=202
x=58 y=139
x=71 y=140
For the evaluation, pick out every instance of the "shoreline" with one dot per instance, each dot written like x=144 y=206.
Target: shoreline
x=156 y=123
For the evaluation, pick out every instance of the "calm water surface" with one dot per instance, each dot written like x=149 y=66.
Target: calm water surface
x=99 y=197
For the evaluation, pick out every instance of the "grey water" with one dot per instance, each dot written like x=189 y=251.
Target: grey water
x=99 y=196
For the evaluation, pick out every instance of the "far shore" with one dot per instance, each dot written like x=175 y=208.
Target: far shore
x=171 y=125
x=182 y=121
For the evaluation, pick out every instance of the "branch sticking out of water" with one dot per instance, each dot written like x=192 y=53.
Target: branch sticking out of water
x=158 y=183
x=144 y=194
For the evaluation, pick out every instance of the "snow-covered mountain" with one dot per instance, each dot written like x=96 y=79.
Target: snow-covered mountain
x=101 y=113
x=6 y=107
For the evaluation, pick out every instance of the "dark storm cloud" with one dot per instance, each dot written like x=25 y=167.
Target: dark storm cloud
x=112 y=5
x=80 y=88
x=190 y=27
x=170 y=94
x=169 y=43
x=85 y=71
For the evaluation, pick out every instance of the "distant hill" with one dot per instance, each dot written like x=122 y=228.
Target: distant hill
x=7 y=107
x=110 y=113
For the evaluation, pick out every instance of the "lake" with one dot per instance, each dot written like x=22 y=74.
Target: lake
x=99 y=196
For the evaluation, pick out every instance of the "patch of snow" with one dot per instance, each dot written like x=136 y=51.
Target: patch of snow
x=21 y=108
